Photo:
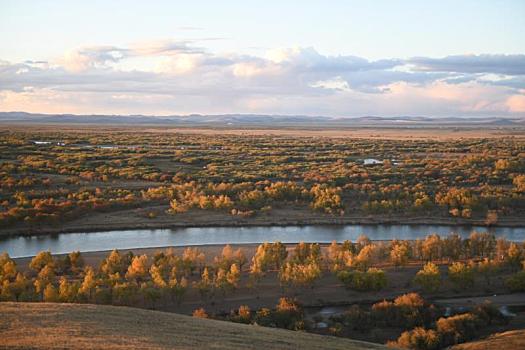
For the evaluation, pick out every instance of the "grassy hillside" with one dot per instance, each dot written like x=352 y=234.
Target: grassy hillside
x=510 y=340
x=44 y=325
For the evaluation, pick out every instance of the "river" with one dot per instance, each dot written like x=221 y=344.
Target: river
x=125 y=239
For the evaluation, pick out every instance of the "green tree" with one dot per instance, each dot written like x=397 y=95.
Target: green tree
x=461 y=275
x=487 y=268
x=429 y=278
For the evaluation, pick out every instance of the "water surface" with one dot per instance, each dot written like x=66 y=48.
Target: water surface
x=126 y=239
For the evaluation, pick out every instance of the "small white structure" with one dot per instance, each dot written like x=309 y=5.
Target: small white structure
x=372 y=161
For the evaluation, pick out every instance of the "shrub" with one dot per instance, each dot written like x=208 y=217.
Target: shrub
x=356 y=318
x=288 y=314
x=263 y=317
x=200 y=313
x=405 y=311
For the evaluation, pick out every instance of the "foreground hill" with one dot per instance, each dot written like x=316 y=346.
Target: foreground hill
x=510 y=340
x=44 y=326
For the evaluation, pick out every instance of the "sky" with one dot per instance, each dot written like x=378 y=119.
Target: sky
x=334 y=58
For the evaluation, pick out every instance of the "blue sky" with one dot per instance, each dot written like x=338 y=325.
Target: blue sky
x=292 y=57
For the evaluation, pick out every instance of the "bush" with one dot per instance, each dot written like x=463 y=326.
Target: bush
x=489 y=313
x=263 y=317
x=288 y=314
x=200 y=313
x=459 y=328
x=405 y=311
x=418 y=339
x=355 y=318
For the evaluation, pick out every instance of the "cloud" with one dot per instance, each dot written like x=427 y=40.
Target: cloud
x=516 y=103
x=182 y=77
x=496 y=64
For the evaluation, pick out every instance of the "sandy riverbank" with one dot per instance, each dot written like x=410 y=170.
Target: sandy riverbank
x=128 y=220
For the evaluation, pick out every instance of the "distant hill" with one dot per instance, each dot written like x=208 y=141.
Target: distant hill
x=81 y=326
x=256 y=120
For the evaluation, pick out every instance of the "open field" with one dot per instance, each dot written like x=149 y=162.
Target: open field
x=59 y=326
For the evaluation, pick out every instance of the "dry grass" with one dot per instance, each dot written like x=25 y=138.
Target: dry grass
x=511 y=340
x=60 y=326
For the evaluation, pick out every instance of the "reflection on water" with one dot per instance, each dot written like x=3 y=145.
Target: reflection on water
x=125 y=239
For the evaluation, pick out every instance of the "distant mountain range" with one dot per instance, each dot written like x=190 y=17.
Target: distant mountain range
x=239 y=120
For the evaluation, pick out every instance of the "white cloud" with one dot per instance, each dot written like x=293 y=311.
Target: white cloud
x=178 y=77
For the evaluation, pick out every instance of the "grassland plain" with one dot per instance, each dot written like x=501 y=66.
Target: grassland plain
x=57 y=180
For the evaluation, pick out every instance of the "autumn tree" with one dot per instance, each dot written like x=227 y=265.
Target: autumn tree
x=487 y=268
x=514 y=256
x=519 y=183
x=233 y=276
x=193 y=259
x=399 y=254
x=206 y=284
x=139 y=269
x=339 y=256
x=8 y=269
x=178 y=288
x=113 y=263
x=44 y=277
x=299 y=275
x=366 y=257
x=40 y=260
x=68 y=291
x=18 y=290
x=432 y=247
x=89 y=284
x=50 y=294
x=452 y=246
